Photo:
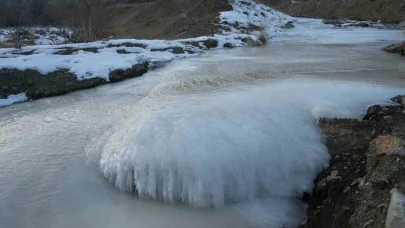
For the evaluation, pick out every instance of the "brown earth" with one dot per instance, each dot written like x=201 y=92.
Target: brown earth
x=389 y=11
x=367 y=162
x=167 y=19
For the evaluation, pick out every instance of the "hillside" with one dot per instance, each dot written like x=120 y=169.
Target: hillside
x=167 y=19
x=391 y=11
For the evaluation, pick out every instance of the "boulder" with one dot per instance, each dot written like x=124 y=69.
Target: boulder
x=374 y=113
x=288 y=25
x=210 y=43
x=401 y=25
x=396 y=48
x=228 y=45
x=396 y=210
x=400 y=99
x=386 y=145
x=36 y=85
x=332 y=21
x=251 y=42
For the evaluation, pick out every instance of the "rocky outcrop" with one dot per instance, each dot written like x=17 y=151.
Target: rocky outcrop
x=368 y=161
x=396 y=48
x=36 y=85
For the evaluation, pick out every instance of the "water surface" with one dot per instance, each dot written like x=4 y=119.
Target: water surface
x=232 y=134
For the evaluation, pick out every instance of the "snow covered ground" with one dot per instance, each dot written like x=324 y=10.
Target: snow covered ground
x=12 y=99
x=249 y=16
x=36 y=35
x=98 y=59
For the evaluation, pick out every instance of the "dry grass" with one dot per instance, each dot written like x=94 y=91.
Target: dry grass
x=11 y=44
x=262 y=36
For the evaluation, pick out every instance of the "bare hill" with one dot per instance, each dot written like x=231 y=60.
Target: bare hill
x=167 y=19
x=391 y=11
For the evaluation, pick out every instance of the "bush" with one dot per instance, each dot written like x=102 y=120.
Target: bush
x=88 y=21
x=262 y=36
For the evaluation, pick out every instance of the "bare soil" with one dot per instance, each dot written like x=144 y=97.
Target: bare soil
x=355 y=190
x=167 y=19
x=389 y=11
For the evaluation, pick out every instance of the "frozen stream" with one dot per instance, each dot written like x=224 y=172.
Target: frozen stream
x=231 y=134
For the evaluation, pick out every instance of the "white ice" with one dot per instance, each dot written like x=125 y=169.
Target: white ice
x=12 y=99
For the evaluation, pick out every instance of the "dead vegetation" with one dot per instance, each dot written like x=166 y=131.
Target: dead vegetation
x=263 y=35
x=88 y=21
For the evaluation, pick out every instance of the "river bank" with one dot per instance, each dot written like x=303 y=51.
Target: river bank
x=215 y=108
x=367 y=164
x=42 y=71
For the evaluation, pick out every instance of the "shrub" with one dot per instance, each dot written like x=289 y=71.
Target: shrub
x=88 y=21
x=262 y=36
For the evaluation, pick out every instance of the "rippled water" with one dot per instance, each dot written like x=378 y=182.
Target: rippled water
x=231 y=134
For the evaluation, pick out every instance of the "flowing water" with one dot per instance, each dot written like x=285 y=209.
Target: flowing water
x=228 y=139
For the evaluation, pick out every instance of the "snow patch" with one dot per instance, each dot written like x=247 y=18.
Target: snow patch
x=37 y=35
x=12 y=99
x=248 y=16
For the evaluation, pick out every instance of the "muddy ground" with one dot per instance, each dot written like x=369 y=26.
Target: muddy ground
x=367 y=163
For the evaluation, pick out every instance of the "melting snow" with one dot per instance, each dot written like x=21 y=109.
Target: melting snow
x=87 y=64
x=12 y=99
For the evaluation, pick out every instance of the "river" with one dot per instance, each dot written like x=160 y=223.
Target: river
x=231 y=134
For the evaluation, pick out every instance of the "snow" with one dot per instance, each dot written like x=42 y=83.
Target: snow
x=85 y=64
x=12 y=99
x=247 y=13
x=165 y=148
x=38 y=35
x=315 y=31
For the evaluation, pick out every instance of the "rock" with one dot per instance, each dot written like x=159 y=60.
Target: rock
x=177 y=50
x=401 y=25
x=210 y=43
x=373 y=112
x=362 y=24
x=328 y=181
x=228 y=45
x=385 y=145
x=400 y=99
x=362 y=183
x=356 y=181
x=288 y=25
x=36 y=85
x=174 y=50
x=136 y=71
x=251 y=42
x=321 y=185
x=334 y=173
x=332 y=21
x=396 y=48
x=398 y=151
x=396 y=210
